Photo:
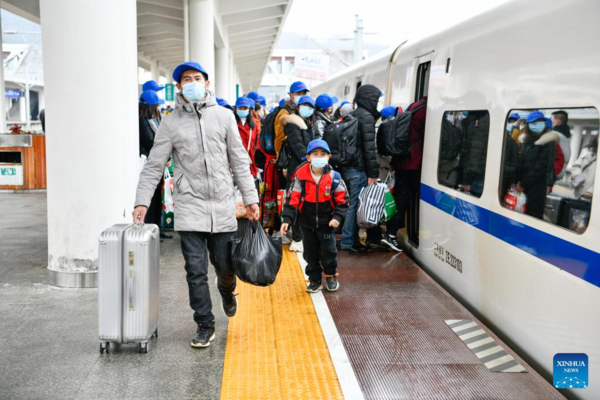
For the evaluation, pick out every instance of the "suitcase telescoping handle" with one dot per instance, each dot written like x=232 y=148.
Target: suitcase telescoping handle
x=131 y=289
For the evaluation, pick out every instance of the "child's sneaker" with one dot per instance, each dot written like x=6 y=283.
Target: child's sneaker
x=332 y=283
x=314 y=286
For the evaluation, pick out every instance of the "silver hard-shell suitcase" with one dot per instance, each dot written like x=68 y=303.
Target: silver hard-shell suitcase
x=128 y=285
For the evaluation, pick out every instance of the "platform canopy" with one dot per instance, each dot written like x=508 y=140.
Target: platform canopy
x=248 y=29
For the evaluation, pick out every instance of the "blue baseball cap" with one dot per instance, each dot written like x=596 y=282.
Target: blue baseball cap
x=244 y=102
x=324 y=101
x=389 y=111
x=298 y=87
x=253 y=96
x=262 y=101
x=181 y=68
x=149 y=97
x=272 y=109
x=535 y=116
x=344 y=103
x=152 y=85
x=514 y=116
x=317 y=144
x=282 y=101
x=334 y=99
x=548 y=122
x=306 y=100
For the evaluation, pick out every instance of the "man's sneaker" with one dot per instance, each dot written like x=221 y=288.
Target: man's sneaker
x=354 y=249
x=391 y=242
x=314 y=286
x=204 y=335
x=331 y=283
x=297 y=246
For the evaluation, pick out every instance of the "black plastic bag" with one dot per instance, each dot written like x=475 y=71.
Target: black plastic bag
x=256 y=256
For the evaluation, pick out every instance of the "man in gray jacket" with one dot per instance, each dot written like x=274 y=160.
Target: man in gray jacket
x=207 y=149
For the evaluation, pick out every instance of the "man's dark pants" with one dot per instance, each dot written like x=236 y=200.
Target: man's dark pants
x=405 y=190
x=197 y=247
x=319 y=250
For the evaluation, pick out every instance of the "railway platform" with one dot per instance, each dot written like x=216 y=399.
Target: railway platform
x=390 y=332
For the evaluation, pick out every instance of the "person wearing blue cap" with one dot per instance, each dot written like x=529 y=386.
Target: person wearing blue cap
x=318 y=199
x=298 y=132
x=253 y=96
x=207 y=150
x=224 y=103
x=152 y=85
x=337 y=114
x=388 y=112
x=536 y=167
x=249 y=128
x=149 y=122
x=323 y=109
x=297 y=90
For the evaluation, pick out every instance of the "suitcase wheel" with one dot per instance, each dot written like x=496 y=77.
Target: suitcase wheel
x=104 y=346
x=144 y=348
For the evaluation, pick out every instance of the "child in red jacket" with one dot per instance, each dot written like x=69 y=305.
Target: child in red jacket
x=318 y=197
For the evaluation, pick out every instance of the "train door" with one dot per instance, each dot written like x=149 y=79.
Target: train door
x=412 y=220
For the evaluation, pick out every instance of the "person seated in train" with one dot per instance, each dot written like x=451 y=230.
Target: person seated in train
x=298 y=128
x=450 y=149
x=476 y=127
x=323 y=109
x=536 y=165
x=583 y=172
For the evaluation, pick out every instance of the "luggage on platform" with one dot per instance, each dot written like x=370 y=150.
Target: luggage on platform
x=128 y=285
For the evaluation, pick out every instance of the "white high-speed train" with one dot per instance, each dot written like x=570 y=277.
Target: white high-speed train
x=537 y=283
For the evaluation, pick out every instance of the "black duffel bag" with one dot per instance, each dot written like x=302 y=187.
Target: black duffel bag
x=256 y=257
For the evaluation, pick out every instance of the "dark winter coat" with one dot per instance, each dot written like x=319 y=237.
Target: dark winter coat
x=298 y=136
x=321 y=123
x=474 y=151
x=536 y=162
x=367 y=98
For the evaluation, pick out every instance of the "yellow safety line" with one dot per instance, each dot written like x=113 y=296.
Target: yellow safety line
x=275 y=345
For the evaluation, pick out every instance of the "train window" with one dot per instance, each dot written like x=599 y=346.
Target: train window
x=463 y=150
x=549 y=164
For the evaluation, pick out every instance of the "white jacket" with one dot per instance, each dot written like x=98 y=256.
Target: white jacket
x=585 y=164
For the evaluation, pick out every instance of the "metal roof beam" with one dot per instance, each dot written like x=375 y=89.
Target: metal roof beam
x=152 y=9
x=159 y=29
x=271 y=33
x=272 y=26
x=159 y=45
x=253 y=16
x=147 y=19
x=235 y=6
x=158 y=39
x=176 y=4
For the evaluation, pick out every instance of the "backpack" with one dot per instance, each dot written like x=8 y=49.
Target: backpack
x=337 y=178
x=344 y=140
x=393 y=140
x=267 y=135
x=371 y=205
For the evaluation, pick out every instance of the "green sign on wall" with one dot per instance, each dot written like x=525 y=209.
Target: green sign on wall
x=8 y=171
x=169 y=92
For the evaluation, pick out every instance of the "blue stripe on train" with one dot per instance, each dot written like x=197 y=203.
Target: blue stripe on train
x=574 y=259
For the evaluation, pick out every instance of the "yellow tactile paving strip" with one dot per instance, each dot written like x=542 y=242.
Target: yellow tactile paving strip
x=275 y=345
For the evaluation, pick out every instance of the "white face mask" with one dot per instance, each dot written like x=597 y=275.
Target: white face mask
x=510 y=127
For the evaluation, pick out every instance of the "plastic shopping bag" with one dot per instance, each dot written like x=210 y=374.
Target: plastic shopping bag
x=515 y=201
x=389 y=209
x=371 y=204
x=168 y=204
x=256 y=257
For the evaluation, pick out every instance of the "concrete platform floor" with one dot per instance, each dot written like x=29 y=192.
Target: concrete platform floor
x=49 y=336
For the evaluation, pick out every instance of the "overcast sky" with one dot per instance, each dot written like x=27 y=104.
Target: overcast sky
x=391 y=20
